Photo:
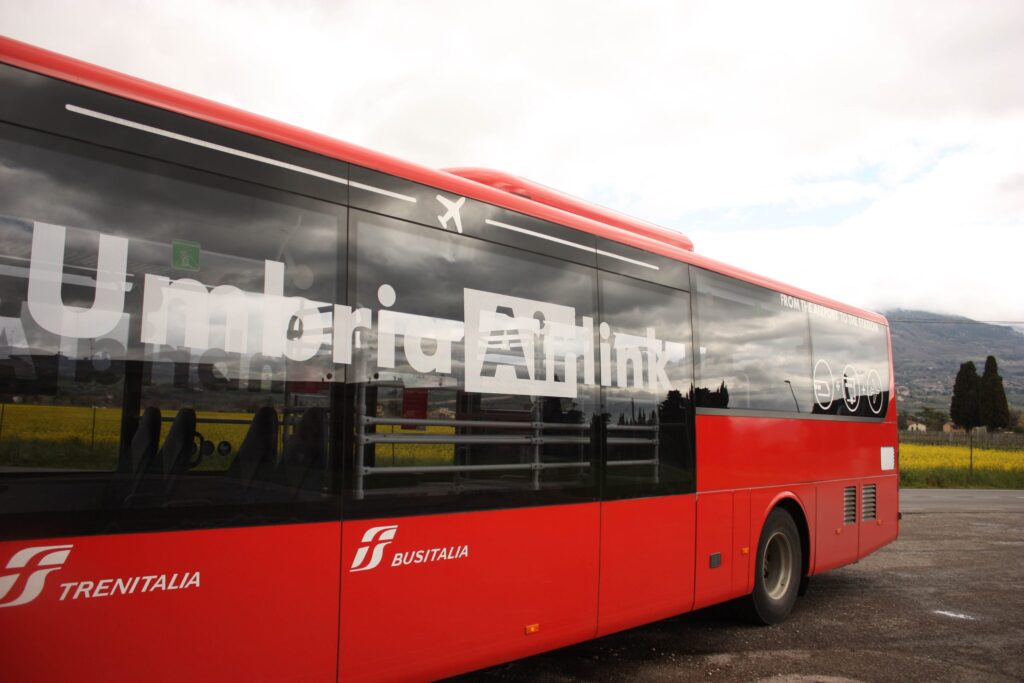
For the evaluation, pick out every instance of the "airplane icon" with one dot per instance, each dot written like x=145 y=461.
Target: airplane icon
x=453 y=212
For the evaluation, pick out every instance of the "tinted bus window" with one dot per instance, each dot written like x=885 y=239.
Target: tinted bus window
x=646 y=375
x=753 y=352
x=474 y=373
x=165 y=356
x=851 y=364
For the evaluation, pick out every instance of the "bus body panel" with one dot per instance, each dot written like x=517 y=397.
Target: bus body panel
x=837 y=538
x=742 y=571
x=229 y=604
x=527 y=582
x=762 y=452
x=715 y=551
x=647 y=547
x=875 y=533
x=742 y=452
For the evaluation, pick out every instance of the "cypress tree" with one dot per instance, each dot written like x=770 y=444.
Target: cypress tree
x=993 y=410
x=963 y=409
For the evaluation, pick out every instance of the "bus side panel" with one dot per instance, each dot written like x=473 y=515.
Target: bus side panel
x=522 y=581
x=742 y=573
x=715 y=550
x=875 y=533
x=647 y=547
x=748 y=452
x=254 y=604
x=836 y=539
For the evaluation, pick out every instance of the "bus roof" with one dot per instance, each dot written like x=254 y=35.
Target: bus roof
x=487 y=186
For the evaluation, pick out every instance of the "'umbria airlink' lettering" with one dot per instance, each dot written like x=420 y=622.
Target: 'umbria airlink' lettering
x=508 y=345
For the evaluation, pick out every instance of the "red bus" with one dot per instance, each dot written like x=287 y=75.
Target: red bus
x=275 y=407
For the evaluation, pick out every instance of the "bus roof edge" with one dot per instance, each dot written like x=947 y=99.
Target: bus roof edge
x=559 y=200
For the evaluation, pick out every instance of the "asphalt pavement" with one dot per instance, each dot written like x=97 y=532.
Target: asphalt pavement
x=913 y=501
x=945 y=602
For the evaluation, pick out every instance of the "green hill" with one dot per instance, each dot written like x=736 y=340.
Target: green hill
x=928 y=349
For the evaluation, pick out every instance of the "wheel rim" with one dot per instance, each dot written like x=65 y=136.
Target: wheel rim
x=777 y=565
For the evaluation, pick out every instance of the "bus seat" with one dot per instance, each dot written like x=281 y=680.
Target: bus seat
x=146 y=441
x=257 y=454
x=180 y=443
x=142 y=454
x=302 y=465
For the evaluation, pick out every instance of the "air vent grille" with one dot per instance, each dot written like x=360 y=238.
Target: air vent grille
x=850 y=505
x=868 y=503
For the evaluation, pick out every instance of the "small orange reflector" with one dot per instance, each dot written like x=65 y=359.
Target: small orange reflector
x=745 y=551
x=532 y=628
x=839 y=531
x=879 y=522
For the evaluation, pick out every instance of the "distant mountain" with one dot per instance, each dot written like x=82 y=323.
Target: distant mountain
x=928 y=349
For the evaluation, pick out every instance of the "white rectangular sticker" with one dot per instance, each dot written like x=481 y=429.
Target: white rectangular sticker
x=888 y=458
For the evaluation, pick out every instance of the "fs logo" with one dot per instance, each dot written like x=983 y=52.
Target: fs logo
x=383 y=535
x=45 y=559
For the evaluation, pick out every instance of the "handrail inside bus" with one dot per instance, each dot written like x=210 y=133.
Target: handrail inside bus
x=368 y=439
x=510 y=467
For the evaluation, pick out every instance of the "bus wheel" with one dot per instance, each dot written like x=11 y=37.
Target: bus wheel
x=778 y=569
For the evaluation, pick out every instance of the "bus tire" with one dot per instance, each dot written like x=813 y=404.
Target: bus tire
x=777 y=572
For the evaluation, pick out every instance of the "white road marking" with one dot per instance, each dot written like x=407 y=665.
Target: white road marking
x=231 y=150
x=954 y=615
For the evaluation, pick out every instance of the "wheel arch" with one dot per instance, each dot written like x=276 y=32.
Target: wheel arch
x=791 y=503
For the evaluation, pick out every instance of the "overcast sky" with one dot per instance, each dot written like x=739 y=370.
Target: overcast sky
x=871 y=152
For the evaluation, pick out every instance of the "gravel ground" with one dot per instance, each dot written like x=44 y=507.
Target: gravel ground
x=944 y=602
